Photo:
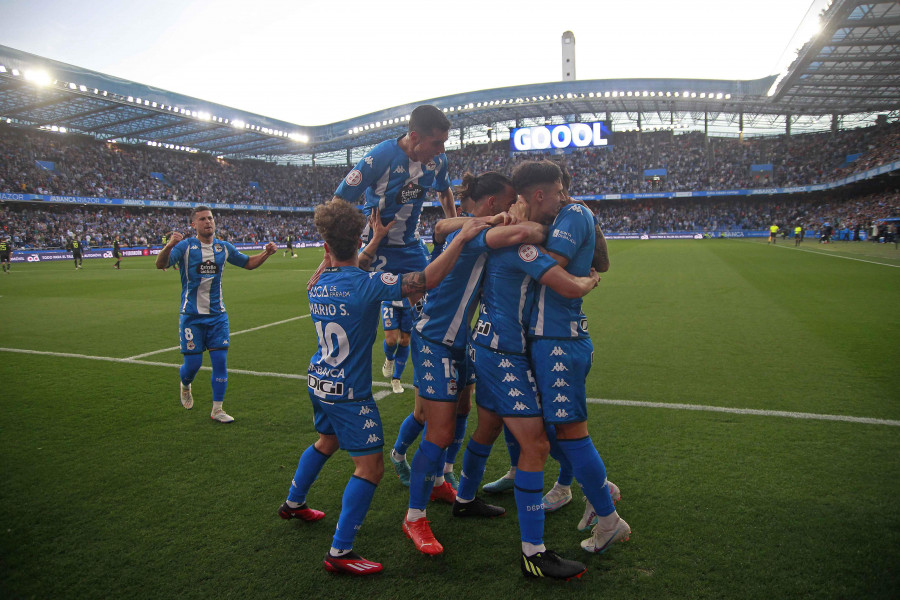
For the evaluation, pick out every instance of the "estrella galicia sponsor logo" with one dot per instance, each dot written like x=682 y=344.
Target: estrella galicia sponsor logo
x=208 y=267
x=410 y=192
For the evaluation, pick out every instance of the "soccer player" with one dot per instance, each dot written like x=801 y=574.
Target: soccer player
x=6 y=249
x=74 y=246
x=204 y=323
x=394 y=177
x=505 y=388
x=561 y=354
x=344 y=305
x=290 y=246
x=117 y=252
x=444 y=375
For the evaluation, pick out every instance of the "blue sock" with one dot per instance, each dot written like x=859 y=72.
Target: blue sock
x=421 y=478
x=529 y=503
x=565 y=467
x=409 y=431
x=439 y=471
x=388 y=350
x=590 y=471
x=354 y=506
x=458 y=436
x=512 y=446
x=308 y=467
x=401 y=355
x=189 y=367
x=219 y=377
x=474 y=459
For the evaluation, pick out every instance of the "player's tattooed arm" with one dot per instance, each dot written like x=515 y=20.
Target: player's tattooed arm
x=413 y=285
x=162 y=259
x=601 y=252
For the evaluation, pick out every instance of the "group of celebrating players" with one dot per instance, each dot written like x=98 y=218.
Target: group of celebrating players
x=522 y=251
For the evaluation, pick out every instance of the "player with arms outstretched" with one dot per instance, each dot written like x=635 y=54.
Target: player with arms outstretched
x=204 y=323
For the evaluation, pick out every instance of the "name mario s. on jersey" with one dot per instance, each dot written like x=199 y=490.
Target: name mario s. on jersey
x=327 y=309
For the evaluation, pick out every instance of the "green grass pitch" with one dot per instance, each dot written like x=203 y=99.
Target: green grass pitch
x=110 y=489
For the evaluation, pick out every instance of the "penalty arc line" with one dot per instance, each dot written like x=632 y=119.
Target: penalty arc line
x=381 y=395
x=146 y=354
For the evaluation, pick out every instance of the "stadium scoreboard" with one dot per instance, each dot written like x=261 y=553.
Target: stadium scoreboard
x=565 y=137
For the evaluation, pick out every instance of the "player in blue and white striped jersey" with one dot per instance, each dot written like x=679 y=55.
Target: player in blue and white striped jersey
x=344 y=305
x=394 y=177
x=204 y=323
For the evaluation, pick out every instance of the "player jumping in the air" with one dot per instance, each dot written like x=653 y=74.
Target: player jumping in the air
x=204 y=323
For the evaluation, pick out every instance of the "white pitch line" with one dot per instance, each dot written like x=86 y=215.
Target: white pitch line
x=871 y=262
x=381 y=395
x=146 y=354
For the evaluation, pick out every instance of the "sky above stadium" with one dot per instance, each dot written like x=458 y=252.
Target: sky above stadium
x=311 y=63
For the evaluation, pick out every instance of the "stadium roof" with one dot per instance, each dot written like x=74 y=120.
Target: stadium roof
x=852 y=67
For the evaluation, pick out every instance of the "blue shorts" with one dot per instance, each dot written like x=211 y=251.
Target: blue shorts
x=201 y=332
x=562 y=366
x=397 y=314
x=401 y=259
x=440 y=372
x=356 y=423
x=505 y=384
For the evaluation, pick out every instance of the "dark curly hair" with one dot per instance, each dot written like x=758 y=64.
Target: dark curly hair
x=340 y=224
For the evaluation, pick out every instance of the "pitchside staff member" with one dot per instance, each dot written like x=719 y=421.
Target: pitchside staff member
x=117 y=252
x=6 y=249
x=204 y=322
x=75 y=247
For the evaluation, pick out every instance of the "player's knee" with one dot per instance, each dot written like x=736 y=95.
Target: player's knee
x=391 y=337
x=404 y=338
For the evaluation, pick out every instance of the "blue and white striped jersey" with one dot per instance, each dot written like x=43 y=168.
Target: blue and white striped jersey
x=201 y=266
x=507 y=295
x=345 y=305
x=449 y=307
x=572 y=236
x=397 y=186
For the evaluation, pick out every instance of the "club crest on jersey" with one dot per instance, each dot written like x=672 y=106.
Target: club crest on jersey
x=527 y=252
x=389 y=278
x=387 y=324
x=451 y=387
x=218 y=247
x=353 y=178
x=431 y=166
x=208 y=267
x=191 y=345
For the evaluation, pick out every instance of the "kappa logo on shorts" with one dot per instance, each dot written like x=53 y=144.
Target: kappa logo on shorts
x=560 y=383
x=370 y=424
x=559 y=367
x=561 y=398
x=365 y=410
x=515 y=393
x=557 y=351
x=429 y=389
x=519 y=406
x=560 y=413
x=428 y=377
x=505 y=364
x=427 y=363
x=427 y=350
x=509 y=377
x=373 y=439
x=353 y=178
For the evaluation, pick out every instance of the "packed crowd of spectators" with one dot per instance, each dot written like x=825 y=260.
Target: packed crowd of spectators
x=81 y=166
x=51 y=226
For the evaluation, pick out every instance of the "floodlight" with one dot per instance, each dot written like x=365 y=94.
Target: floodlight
x=15 y=72
x=2 y=69
x=728 y=96
x=238 y=124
